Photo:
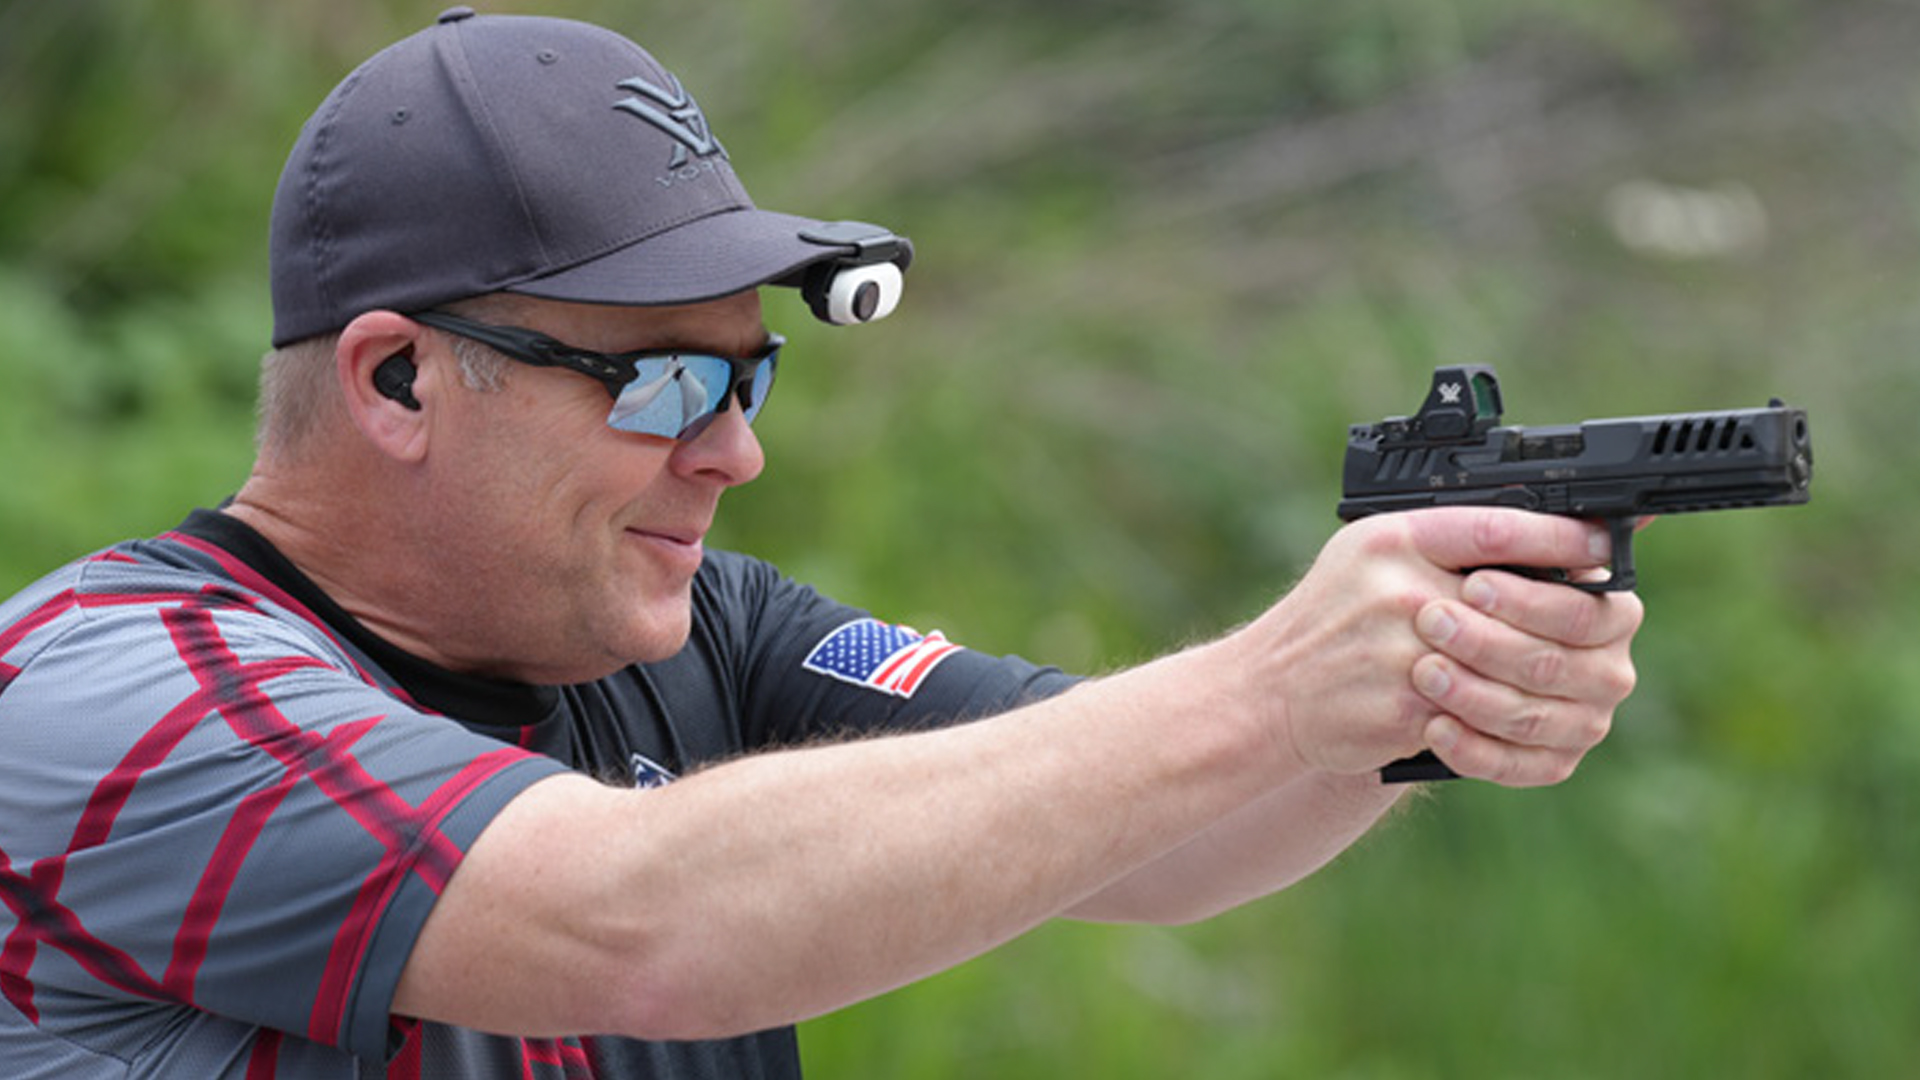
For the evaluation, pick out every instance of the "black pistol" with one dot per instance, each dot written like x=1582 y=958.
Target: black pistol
x=1455 y=452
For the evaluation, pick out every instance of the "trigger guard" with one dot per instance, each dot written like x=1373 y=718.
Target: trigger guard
x=1621 y=577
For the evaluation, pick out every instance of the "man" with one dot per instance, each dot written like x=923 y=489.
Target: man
x=446 y=749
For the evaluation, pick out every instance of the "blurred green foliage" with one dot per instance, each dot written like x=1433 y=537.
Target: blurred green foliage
x=1168 y=252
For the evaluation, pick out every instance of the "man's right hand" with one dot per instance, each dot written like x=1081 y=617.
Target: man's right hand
x=1394 y=643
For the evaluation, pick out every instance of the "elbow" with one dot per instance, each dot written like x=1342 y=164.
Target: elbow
x=1147 y=907
x=680 y=991
x=662 y=1010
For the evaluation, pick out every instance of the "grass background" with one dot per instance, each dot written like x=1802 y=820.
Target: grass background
x=1168 y=252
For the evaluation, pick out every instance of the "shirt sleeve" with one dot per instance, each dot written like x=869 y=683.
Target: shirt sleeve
x=219 y=810
x=804 y=665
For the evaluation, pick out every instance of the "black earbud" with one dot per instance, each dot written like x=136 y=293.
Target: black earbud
x=394 y=379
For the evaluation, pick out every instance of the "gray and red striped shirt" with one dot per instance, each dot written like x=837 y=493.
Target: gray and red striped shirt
x=226 y=808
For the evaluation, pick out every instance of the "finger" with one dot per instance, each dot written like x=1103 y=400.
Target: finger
x=1474 y=754
x=1552 y=611
x=1501 y=711
x=1467 y=537
x=1529 y=663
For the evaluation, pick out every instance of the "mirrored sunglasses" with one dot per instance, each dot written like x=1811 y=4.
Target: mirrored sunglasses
x=665 y=392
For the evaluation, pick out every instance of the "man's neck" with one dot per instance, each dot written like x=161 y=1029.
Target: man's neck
x=354 y=573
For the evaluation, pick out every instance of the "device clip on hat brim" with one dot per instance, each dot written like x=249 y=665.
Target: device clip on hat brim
x=861 y=284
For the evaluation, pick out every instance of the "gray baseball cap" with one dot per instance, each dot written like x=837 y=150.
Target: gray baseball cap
x=531 y=155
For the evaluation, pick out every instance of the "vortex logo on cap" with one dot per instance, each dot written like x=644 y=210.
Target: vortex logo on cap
x=677 y=115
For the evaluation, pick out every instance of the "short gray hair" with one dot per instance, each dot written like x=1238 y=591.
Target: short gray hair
x=482 y=368
x=297 y=387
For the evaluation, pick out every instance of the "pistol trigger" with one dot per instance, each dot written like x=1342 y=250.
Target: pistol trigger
x=1622 y=577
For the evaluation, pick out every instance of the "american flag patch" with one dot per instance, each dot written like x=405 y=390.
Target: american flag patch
x=648 y=773
x=879 y=656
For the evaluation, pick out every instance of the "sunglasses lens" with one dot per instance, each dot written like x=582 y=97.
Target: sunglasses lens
x=676 y=397
x=753 y=392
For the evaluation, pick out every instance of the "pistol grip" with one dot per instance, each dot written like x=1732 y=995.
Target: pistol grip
x=1412 y=770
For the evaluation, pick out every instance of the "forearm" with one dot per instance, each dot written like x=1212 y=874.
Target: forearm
x=1258 y=850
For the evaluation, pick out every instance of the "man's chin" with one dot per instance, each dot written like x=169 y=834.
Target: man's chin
x=660 y=633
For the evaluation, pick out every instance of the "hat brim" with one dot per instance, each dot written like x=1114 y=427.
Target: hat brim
x=704 y=259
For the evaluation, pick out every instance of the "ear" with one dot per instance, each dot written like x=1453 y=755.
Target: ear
x=387 y=394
